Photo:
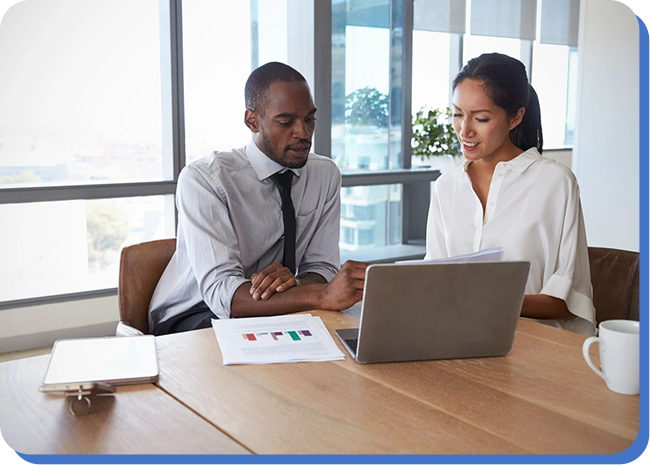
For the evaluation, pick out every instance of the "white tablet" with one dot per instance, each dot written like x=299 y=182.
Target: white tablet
x=109 y=360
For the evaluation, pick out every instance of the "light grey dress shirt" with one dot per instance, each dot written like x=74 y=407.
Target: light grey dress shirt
x=230 y=226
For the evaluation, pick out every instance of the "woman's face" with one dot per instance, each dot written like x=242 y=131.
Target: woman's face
x=482 y=128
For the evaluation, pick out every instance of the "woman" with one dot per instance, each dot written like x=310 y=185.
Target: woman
x=507 y=195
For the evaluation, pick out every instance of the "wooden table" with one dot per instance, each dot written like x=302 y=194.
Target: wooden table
x=137 y=420
x=541 y=398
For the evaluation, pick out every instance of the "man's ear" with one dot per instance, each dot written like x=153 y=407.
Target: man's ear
x=516 y=120
x=251 y=120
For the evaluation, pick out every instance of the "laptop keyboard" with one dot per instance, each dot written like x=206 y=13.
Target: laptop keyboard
x=352 y=344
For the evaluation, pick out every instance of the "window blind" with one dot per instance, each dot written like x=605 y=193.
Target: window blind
x=439 y=16
x=559 y=25
x=503 y=18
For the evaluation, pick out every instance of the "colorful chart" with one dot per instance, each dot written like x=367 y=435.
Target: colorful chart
x=279 y=335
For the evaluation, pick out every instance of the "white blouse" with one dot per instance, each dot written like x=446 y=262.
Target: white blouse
x=533 y=213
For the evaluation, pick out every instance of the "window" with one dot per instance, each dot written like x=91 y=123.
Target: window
x=540 y=33
x=85 y=166
x=81 y=111
x=94 y=133
x=222 y=42
x=371 y=216
x=360 y=85
x=554 y=77
x=74 y=246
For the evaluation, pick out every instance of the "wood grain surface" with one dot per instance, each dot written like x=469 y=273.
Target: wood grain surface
x=135 y=420
x=541 y=398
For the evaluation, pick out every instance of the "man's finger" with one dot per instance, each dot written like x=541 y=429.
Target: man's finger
x=271 y=289
x=258 y=278
x=287 y=284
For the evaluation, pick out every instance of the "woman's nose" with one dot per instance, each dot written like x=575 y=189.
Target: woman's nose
x=465 y=129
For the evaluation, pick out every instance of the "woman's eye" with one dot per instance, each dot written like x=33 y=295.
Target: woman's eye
x=456 y=115
x=482 y=120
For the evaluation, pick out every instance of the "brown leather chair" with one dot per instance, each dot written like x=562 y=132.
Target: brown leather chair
x=615 y=279
x=141 y=266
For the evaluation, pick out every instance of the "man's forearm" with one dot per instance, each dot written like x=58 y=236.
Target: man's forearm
x=295 y=299
x=312 y=278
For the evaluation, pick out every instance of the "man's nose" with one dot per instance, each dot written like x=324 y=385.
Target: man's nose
x=302 y=131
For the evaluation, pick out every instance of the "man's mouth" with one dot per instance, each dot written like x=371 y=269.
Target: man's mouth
x=300 y=148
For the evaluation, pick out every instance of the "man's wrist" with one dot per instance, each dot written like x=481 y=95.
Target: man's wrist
x=315 y=294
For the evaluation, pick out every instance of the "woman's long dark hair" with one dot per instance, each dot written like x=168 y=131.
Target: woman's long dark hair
x=506 y=83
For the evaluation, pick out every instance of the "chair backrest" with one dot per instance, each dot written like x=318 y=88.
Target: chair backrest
x=141 y=266
x=615 y=279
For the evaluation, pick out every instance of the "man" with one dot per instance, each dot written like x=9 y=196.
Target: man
x=258 y=227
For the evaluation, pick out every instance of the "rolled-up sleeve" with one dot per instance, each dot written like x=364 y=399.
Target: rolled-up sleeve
x=322 y=254
x=211 y=244
x=571 y=280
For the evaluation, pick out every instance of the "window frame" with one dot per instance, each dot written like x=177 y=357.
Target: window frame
x=174 y=159
x=415 y=182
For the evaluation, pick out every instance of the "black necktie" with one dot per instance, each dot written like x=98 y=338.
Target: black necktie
x=283 y=182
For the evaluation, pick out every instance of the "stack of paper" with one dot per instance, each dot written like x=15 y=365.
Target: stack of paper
x=487 y=255
x=276 y=339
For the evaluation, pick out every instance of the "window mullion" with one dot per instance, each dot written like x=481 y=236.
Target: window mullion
x=85 y=192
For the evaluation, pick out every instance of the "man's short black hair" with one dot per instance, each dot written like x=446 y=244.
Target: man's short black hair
x=262 y=78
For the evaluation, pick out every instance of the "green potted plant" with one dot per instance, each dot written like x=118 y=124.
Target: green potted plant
x=434 y=136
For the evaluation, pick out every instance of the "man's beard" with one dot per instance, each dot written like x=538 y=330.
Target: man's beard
x=279 y=158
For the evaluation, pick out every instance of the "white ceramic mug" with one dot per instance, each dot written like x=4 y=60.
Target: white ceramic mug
x=618 y=342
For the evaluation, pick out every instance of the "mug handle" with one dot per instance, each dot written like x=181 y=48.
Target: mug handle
x=585 y=353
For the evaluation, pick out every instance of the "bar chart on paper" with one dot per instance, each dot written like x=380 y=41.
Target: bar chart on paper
x=297 y=335
x=280 y=339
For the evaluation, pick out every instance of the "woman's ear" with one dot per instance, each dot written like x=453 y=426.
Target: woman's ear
x=516 y=120
x=251 y=121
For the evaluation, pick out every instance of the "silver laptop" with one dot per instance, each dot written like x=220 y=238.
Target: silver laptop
x=428 y=311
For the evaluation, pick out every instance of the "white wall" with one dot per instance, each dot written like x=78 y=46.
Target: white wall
x=606 y=142
x=39 y=326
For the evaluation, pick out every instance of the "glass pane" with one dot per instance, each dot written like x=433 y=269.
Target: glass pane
x=370 y=216
x=73 y=246
x=431 y=84
x=572 y=97
x=82 y=102
x=551 y=82
x=360 y=85
x=474 y=46
x=222 y=43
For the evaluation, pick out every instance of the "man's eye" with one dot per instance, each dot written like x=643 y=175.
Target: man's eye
x=311 y=120
x=285 y=123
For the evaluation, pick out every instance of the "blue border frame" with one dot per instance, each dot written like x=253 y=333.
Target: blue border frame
x=628 y=455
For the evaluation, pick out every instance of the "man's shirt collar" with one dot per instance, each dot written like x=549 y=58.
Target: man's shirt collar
x=265 y=167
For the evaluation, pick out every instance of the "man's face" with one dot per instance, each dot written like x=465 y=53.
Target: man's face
x=283 y=130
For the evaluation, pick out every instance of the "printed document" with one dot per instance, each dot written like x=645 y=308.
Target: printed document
x=275 y=339
x=487 y=255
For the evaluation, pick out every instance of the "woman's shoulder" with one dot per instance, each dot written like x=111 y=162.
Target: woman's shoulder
x=450 y=177
x=556 y=170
